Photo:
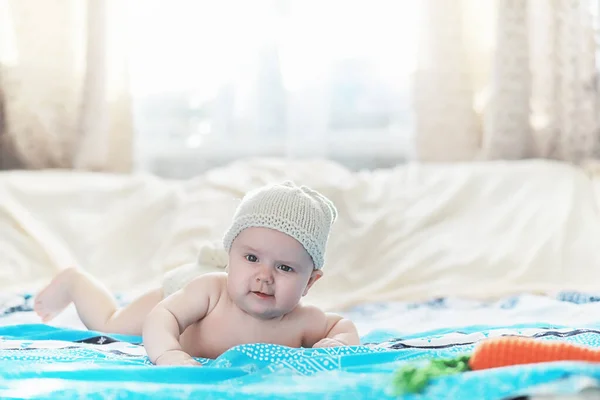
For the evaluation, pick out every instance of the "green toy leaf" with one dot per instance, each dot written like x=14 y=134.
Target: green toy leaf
x=412 y=379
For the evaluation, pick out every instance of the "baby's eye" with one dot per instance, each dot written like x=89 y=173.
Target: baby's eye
x=251 y=258
x=286 y=268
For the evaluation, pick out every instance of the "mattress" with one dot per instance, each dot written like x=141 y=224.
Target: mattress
x=63 y=360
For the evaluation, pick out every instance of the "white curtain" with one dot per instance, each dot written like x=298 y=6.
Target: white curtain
x=367 y=83
x=64 y=87
x=508 y=79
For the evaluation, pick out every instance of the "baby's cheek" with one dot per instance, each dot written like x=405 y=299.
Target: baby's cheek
x=236 y=284
x=294 y=292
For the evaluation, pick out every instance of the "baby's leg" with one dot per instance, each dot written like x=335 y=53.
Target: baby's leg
x=95 y=305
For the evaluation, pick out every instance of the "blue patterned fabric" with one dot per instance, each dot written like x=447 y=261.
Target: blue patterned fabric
x=578 y=298
x=46 y=362
x=39 y=361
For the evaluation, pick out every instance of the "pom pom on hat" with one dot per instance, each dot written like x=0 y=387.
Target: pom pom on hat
x=212 y=255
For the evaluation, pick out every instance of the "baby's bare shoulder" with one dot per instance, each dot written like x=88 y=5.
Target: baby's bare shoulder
x=211 y=284
x=309 y=311
x=211 y=280
x=313 y=323
x=311 y=317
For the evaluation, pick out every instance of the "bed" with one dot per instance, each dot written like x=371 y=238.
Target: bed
x=426 y=259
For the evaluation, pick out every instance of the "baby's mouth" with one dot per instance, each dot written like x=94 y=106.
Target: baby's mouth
x=263 y=295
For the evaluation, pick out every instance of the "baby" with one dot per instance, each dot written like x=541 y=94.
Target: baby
x=276 y=246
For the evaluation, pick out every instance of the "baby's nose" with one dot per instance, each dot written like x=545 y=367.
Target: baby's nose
x=265 y=276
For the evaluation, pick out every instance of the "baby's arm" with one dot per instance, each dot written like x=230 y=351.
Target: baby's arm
x=340 y=332
x=330 y=330
x=167 y=321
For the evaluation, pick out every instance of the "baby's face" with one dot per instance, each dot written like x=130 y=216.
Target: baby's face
x=269 y=272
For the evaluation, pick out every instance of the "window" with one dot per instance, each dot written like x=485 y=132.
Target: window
x=217 y=80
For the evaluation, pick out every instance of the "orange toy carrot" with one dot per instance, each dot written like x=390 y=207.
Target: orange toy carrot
x=516 y=350
x=493 y=353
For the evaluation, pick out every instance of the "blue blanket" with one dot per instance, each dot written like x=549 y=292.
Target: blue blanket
x=39 y=361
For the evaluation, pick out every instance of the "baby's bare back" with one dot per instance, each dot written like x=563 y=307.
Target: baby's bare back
x=226 y=326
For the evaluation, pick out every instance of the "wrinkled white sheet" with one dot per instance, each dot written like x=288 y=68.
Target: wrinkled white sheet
x=412 y=232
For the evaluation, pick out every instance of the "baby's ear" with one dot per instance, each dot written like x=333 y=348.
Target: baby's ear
x=314 y=276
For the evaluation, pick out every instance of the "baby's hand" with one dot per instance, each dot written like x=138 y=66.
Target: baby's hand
x=328 y=342
x=176 y=357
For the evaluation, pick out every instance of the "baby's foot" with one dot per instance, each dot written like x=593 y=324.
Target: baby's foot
x=56 y=296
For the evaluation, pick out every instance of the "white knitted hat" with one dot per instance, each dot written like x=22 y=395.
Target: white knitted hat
x=300 y=212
